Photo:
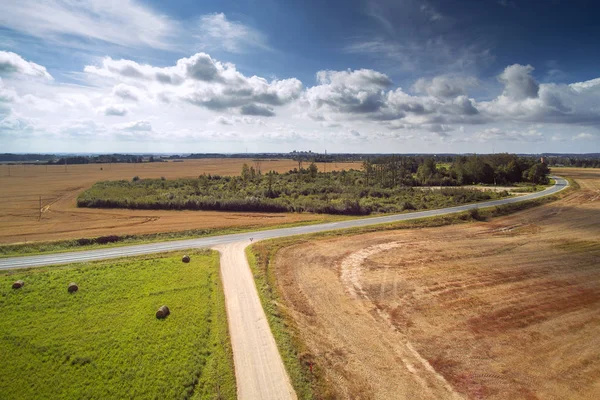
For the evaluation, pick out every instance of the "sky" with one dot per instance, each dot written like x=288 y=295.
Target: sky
x=361 y=76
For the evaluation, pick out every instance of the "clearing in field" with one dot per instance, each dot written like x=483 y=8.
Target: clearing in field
x=104 y=340
x=498 y=310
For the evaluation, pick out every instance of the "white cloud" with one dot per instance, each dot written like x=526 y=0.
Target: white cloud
x=584 y=136
x=524 y=99
x=493 y=134
x=366 y=94
x=199 y=97
x=125 y=23
x=126 y=92
x=215 y=31
x=223 y=120
x=359 y=91
x=205 y=82
x=11 y=63
x=136 y=126
x=114 y=110
x=518 y=82
x=255 y=109
x=444 y=86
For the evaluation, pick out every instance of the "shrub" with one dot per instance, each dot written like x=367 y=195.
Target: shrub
x=474 y=214
x=408 y=206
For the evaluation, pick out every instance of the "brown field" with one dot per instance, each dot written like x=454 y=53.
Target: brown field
x=506 y=309
x=61 y=219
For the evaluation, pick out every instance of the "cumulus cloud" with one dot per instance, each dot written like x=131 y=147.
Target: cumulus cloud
x=216 y=30
x=524 y=99
x=114 y=110
x=223 y=120
x=444 y=86
x=367 y=94
x=12 y=63
x=233 y=120
x=492 y=134
x=360 y=91
x=144 y=126
x=205 y=82
x=518 y=82
x=126 y=92
x=82 y=127
x=254 y=109
x=15 y=125
x=339 y=103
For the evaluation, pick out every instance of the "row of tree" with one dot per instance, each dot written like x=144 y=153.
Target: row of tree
x=500 y=169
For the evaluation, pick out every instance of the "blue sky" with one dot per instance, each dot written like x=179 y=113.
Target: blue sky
x=347 y=76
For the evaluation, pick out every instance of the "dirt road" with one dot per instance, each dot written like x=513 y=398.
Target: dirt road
x=259 y=369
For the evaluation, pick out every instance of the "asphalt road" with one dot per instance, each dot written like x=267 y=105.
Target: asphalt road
x=208 y=242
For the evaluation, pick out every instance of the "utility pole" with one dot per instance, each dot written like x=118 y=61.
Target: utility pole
x=40 y=217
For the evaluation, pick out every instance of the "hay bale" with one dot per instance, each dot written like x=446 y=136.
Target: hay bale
x=162 y=312
x=185 y=259
x=72 y=288
x=18 y=284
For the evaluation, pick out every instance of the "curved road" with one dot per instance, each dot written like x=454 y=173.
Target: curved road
x=259 y=369
x=125 y=251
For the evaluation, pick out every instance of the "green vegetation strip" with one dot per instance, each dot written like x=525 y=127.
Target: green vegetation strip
x=384 y=185
x=296 y=357
x=104 y=341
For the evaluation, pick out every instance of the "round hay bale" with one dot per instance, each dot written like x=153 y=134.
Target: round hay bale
x=162 y=312
x=18 y=284
x=185 y=259
x=72 y=288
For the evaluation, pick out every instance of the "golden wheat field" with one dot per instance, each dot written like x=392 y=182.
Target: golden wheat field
x=504 y=309
x=22 y=186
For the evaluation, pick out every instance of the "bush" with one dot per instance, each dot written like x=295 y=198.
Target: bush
x=135 y=178
x=408 y=206
x=474 y=214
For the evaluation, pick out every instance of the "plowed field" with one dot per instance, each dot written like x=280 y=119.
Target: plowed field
x=506 y=309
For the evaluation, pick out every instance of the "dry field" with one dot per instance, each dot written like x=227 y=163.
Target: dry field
x=507 y=309
x=61 y=219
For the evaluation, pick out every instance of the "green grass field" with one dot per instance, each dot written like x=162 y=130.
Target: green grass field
x=104 y=341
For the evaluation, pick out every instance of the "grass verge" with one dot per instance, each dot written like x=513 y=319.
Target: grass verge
x=296 y=357
x=104 y=341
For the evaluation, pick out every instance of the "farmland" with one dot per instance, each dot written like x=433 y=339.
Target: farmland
x=104 y=340
x=508 y=308
x=58 y=186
